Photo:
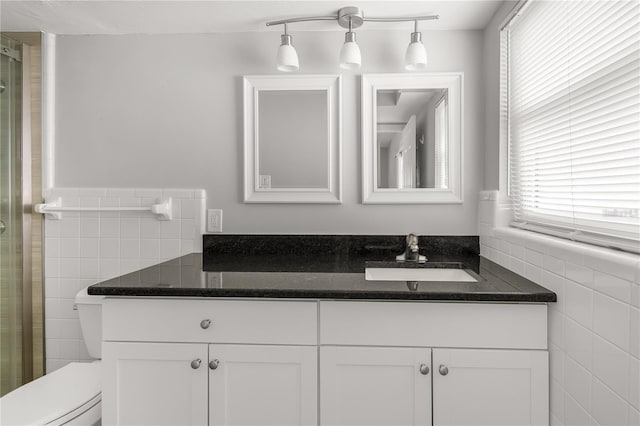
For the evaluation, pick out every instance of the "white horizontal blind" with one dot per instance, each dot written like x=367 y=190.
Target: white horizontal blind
x=573 y=111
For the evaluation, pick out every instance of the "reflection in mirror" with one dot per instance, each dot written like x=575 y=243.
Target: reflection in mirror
x=292 y=139
x=411 y=138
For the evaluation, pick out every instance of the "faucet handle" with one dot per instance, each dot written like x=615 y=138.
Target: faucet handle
x=412 y=242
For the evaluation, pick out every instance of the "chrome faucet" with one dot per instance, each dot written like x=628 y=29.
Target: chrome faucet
x=411 y=251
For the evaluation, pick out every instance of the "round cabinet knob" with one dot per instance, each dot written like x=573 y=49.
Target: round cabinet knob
x=424 y=369
x=443 y=370
x=214 y=363
x=195 y=364
x=205 y=323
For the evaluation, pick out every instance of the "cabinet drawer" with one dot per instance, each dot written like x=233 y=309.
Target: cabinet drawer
x=462 y=325
x=231 y=321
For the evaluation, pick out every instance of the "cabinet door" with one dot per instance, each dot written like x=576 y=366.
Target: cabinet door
x=154 y=384
x=263 y=385
x=375 y=386
x=490 y=387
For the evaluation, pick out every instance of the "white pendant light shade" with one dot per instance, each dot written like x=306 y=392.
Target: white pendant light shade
x=287 y=56
x=416 y=56
x=350 y=57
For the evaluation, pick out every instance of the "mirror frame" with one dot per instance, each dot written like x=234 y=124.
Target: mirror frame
x=253 y=85
x=371 y=83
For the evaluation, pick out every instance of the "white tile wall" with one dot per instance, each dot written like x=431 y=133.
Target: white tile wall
x=87 y=247
x=594 y=329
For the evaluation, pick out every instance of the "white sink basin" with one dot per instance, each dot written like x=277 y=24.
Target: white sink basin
x=417 y=274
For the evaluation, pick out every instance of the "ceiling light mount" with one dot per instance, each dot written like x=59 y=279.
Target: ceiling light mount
x=350 y=17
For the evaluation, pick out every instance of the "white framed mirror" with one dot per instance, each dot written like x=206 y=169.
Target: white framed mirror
x=412 y=138
x=292 y=139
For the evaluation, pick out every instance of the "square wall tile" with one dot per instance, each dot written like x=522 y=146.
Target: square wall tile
x=556 y=399
x=611 y=366
x=149 y=228
x=150 y=248
x=90 y=227
x=129 y=248
x=634 y=382
x=574 y=413
x=69 y=247
x=607 y=407
x=170 y=229
x=612 y=286
x=90 y=247
x=611 y=320
x=551 y=264
x=577 y=382
x=634 y=332
x=578 y=303
x=578 y=343
x=109 y=248
x=634 y=416
x=169 y=248
x=555 y=326
x=130 y=227
x=109 y=227
x=580 y=274
x=533 y=257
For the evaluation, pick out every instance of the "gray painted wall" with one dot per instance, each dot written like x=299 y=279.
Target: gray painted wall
x=492 y=96
x=166 y=111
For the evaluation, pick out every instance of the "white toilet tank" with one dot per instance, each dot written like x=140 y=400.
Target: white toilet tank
x=90 y=312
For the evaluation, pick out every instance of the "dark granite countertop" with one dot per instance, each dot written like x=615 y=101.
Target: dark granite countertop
x=331 y=268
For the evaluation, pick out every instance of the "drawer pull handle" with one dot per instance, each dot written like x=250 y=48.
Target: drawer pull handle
x=195 y=364
x=204 y=324
x=443 y=370
x=424 y=369
x=214 y=363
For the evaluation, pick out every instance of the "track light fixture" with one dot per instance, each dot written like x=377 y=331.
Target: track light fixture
x=350 y=56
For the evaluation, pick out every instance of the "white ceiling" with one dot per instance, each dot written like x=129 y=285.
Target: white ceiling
x=224 y=16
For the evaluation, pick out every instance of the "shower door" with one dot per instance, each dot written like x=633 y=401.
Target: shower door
x=11 y=216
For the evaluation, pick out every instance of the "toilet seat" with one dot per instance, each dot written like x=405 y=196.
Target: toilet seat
x=57 y=398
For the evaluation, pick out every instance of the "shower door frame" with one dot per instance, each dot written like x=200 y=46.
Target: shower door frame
x=27 y=211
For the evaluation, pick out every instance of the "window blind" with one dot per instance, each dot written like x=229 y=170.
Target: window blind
x=573 y=119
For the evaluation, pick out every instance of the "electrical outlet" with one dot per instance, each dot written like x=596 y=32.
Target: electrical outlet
x=214 y=220
x=265 y=181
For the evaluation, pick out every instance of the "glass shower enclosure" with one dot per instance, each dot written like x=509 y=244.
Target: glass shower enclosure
x=12 y=227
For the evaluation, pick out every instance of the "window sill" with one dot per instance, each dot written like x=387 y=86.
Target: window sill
x=621 y=264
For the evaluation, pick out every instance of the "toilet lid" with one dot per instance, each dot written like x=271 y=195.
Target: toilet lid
x=52 y=396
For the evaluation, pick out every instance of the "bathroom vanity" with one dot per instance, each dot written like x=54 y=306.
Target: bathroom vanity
x=230 y=339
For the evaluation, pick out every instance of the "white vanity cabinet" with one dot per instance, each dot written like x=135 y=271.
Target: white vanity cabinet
x=263 y=385
x=154 y=384
x=309 y=362
x=415 y=386
x=375 y=386
x=392 y=363
x=488 y=387
x=198 y=362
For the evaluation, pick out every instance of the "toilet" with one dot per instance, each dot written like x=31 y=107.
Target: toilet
x=70 y=395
